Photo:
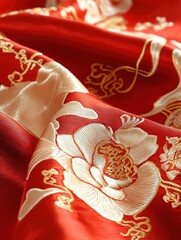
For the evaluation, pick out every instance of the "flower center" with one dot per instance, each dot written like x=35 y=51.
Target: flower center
x=119 y=164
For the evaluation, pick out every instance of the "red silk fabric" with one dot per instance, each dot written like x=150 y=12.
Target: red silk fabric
x=90 y=120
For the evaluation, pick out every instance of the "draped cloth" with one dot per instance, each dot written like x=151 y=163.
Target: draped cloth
x=90 y=120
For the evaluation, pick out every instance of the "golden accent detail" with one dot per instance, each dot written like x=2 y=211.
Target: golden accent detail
x=170 y=108
x=108 y=80
x=119 y=165
x=69 y=13
x=114 y=23
x=159 y=25
x=26 y=63
x=173 y=197
x=173 y=114
x=137 y=229
x=64 y=201
x=170 y=159
x=48 y=176
x=33 y=11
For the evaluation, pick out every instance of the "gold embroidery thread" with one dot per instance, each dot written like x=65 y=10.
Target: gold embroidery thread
x=137 y=228
x=160 y=24
x=172 y=193
x=66 y=198
x=171 y=107
x=26 y=63
x=105 y=81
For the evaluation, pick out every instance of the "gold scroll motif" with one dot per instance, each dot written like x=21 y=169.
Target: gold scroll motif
x=138 y=227
x=105 y=81
x=171 y=107
x=26 y=64
x=172 y=193
x=173 y=114
x=170 y=162
x=66 y=198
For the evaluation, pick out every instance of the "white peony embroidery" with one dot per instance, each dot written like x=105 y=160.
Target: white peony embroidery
x=171 y=158
x=108 y=170
x=47 y=147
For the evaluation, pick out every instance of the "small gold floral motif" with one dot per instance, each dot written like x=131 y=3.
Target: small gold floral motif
x=171 y=158
x=26 y=64
x=138 y=228
x=173 y=198
x=172 y=193
x=161 y=23
x=66 y=198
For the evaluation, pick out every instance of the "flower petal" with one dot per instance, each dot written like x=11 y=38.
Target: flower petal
x=99 y=161
x=141 y=193
x=163 y=157
x=47 y=149
x=143 y=151
x=66 y=143
x=89 y=136
x=116 y=184
x=82 y=171
x=97 y=175
x=130 y=137
x=173 y=150
x=172 y=174
x=178 y=164
x=93 y=197
x=33 y=197
x=112 y=193
x=77 y=109
x=165 y=166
